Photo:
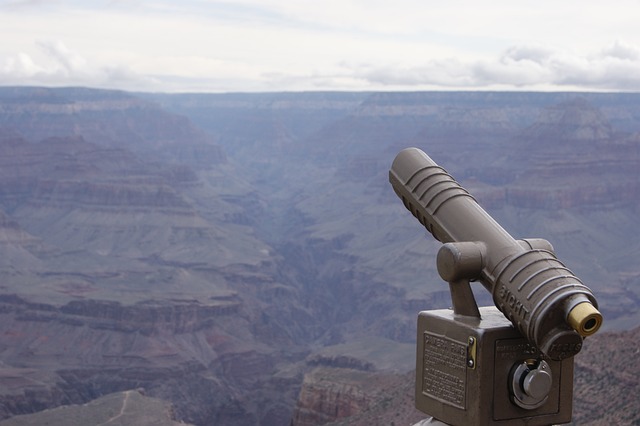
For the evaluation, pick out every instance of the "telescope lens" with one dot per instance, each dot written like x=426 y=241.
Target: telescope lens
x=585 y=319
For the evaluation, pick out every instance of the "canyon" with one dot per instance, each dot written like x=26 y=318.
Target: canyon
x=243 y=258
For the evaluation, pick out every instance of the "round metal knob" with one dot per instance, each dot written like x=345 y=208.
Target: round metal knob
x=530 y=384
x=537 y=383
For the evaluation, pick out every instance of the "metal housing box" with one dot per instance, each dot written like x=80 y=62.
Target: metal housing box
x=463 y=367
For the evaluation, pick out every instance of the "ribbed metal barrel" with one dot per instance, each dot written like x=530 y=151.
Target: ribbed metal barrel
x=536 y=292
x=530 y=286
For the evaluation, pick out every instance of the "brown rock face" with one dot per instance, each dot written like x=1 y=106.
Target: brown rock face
x=329 y=394
x=575 y=120
x=575 y=159
x=132 y=123
x=338 y=396
x=130 y=406
x=200 y=357
x=606 y=382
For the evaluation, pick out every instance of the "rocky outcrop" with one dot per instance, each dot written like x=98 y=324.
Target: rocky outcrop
x=339 y=396
x=576 y=121
x=200 y=357
x=143 y=317
x=114 y=195
x=11 y=233
x=571 y=157
x=328 y=394
x=108 y=118
x=69 y=171
x=340 y=361
x=605 y=380
x=131 y=406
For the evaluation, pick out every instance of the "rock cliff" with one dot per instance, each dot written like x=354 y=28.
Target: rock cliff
x=128 y=407
x=328 y=394
x=133 y=123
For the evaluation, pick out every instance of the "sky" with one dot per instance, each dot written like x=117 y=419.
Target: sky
x=314 y=45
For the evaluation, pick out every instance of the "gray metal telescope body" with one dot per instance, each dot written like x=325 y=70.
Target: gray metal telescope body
x=533 y=289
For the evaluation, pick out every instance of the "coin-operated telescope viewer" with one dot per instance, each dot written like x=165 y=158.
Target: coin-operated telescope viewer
x=508 y=364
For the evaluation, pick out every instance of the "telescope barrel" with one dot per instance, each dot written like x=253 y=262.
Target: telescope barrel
x=543 y=299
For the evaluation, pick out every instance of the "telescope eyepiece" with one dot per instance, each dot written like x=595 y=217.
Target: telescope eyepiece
x=585 y=319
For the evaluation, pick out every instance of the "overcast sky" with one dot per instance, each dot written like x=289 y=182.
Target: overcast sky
x=293 y=45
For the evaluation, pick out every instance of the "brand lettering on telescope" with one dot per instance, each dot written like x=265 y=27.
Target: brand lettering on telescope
x=565 y=348
x=515 y=349
x=512 y=301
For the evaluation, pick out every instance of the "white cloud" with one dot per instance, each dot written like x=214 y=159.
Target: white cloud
x=309 y=45
x=21 y=65
x=532 y=53
x=65 y=60
x=59 y=65
x=621 y=50
x=522 y=67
